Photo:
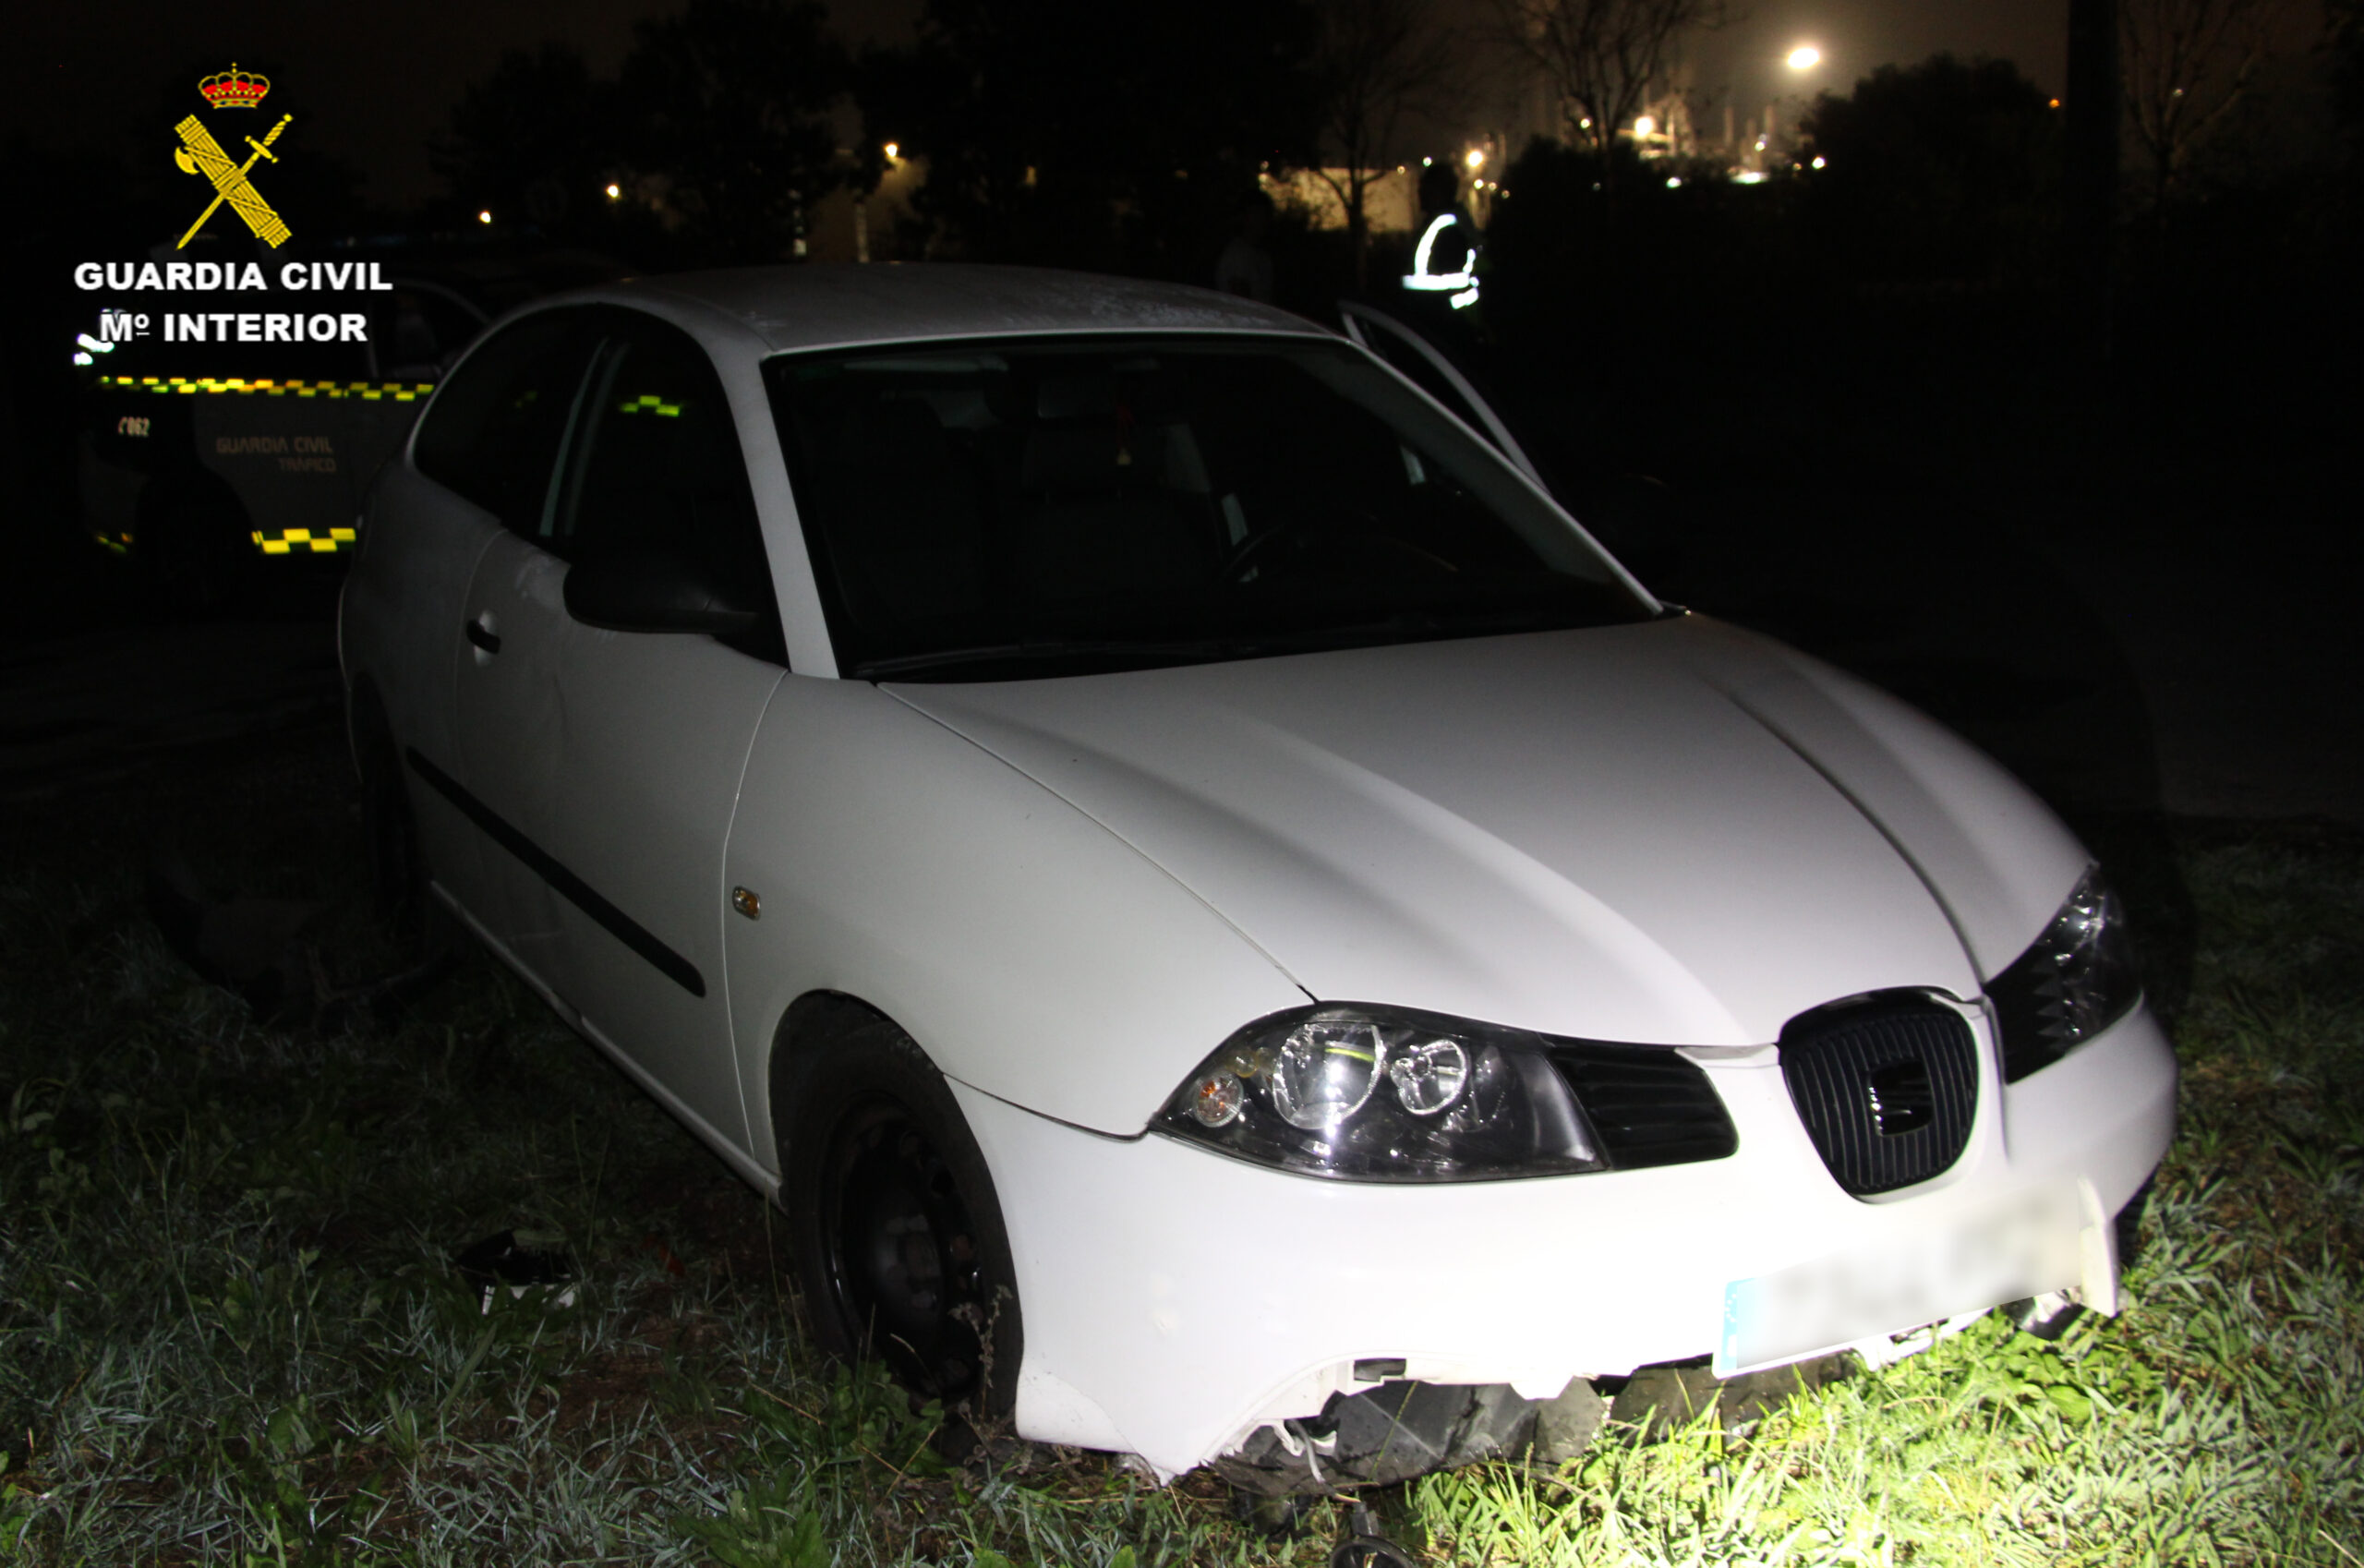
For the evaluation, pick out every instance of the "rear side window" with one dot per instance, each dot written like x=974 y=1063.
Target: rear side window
x=494 y=431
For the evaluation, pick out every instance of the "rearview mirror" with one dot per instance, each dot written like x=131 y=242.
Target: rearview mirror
x=650 y=591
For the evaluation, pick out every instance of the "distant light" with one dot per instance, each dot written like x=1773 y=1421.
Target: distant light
x=1804 y=58
x=1476 y=158
x=1760 y=144
x=2056 y=103
x=1821 y=163
x=894 y=150
x=1750 y=176
x=1584 y=124
x=1644 y=125
x=614 y=191
x=485 y=216
x=1426 y=161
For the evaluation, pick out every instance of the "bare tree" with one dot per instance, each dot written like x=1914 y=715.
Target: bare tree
x=1602 y=58
x=1378 y=61
x=2186 y=63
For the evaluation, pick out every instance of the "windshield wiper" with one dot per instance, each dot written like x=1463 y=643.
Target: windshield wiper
x=1040 y=648
x=1404 y=626
x=1429 y=625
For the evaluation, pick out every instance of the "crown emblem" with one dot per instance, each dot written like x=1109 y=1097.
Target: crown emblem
x=234 y=88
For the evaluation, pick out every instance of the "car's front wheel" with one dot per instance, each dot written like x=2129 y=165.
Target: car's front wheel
x=900 y=1249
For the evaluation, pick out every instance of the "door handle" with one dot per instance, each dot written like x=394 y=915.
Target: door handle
x=482 y=636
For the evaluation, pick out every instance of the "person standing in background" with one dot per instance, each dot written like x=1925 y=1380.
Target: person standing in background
x=1245 y=268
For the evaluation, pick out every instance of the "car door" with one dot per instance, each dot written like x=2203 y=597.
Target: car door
x=480 y=470
x=1631 y=515
x=607 y=764
x=1426 y=367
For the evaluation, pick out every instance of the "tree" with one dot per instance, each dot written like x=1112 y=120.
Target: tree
x=1377 y=61
x=2186 y=63
x=533 y=140
x=728 y=104
x=1076 y=133
x=1603 y=57
x=2344 y=37
x=1944 y=170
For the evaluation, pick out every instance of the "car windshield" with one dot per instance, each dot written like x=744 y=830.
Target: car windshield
x=1004 y=510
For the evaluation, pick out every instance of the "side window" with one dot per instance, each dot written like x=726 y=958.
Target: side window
x=653 y=467
x=494 y=432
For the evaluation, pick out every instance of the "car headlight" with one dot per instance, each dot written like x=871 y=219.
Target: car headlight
x=2077 y=980
x=1385 y=1095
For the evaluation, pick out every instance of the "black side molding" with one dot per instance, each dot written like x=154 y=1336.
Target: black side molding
x=568 y=886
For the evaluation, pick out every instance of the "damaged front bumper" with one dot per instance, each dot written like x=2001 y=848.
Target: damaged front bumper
x=1183 y=1306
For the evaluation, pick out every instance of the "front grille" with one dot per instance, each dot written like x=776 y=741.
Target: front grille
x=1649 y=1106
x=1885 y=1088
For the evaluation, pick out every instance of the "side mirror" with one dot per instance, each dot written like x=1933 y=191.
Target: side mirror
x=650 y=591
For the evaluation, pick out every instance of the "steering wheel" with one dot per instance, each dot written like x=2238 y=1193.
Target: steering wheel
x=1252 y=552
x=1353 y=529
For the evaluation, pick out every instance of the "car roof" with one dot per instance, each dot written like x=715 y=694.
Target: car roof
x=845 y=306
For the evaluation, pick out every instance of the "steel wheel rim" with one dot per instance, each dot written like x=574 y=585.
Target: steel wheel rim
x=900 y=1250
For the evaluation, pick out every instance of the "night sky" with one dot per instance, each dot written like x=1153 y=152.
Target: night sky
x=384 y=77
x=1857 y=36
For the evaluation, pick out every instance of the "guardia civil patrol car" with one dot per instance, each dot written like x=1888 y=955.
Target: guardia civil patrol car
x=216 y=457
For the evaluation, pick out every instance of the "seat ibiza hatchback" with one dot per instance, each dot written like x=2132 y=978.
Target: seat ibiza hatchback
x=1211 y=903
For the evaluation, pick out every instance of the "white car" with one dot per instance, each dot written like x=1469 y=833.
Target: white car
x=1226 y=921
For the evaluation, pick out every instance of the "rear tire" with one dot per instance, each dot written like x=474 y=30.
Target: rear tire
x=900 y=1249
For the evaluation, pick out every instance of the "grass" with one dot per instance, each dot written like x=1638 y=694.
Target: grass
x=230 y=1331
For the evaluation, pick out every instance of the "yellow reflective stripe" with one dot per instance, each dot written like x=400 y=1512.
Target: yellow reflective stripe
x=652 y=403
x=303 y=541
x=373 y=391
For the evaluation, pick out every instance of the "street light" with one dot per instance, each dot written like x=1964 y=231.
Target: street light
x=1476 y=159
x=1804 y=58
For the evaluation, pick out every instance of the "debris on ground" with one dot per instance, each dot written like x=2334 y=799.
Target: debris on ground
x=524 y=1263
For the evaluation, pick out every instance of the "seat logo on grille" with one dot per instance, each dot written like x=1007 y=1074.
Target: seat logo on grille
x=1900 y=1097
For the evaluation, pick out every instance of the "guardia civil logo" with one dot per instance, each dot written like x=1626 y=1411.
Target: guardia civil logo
x=233 y=183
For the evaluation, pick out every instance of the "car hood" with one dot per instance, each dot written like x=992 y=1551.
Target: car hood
x=1672 y=832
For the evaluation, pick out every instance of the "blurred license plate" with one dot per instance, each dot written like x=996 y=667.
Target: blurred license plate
x=2023 y=1247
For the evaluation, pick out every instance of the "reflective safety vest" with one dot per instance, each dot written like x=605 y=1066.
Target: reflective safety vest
x=1462 y=285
